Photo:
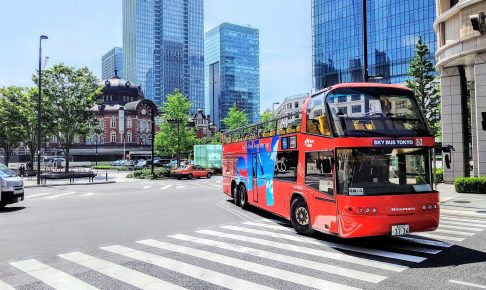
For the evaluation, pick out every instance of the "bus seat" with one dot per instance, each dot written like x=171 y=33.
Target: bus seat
x=297 y=129
x=290 y=130
x=369 y=126
x=271 y=133
x=323 y=128
x=359 y=126
x=281 y=131
x=312 y=127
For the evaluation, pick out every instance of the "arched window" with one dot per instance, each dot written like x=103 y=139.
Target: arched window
x=113 y=137
x=113 y=122
x=129 y=122
x=129 y=137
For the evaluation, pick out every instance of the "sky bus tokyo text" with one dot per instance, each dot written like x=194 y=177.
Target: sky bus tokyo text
x=356 y=161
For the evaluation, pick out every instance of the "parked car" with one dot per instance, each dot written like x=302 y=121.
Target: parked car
x=173 y=164
x=11 y=186
x=120 y=162
x=143 y=164
x=161 y=162
x=190 y=171
x=57 y=162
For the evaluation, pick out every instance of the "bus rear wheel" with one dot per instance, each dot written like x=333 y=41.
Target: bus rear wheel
x=243 y=198
x=300 y=217
x=234 y=195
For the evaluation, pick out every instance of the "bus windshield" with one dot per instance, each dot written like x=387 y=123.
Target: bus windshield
x=380 y=171
x=375 y=112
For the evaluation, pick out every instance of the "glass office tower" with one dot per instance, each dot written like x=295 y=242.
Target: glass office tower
x=232 y=70
x=393 y=29
x=111 y=61
x=163 y=47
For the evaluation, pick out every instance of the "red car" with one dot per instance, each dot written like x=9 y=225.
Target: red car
x=190 y=171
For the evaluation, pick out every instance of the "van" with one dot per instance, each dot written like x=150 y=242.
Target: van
x=11 y=186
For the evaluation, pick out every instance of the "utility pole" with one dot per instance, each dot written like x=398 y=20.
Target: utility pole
x=39 y=114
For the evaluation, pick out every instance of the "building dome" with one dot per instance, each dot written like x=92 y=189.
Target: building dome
x=120 y=90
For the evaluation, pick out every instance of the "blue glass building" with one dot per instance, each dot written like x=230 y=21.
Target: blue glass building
x=163 y=47
x=111 y=61
x=393 y=29
x=232 y=70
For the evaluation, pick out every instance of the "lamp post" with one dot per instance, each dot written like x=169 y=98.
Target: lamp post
x=39 y=109
x=177 y=121
x=273 y=107
x=98 y=131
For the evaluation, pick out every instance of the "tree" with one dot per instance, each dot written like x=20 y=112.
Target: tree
x=236 y=118
x=425 y=89
x=12 y=131
x=215 y=139
x=70 y=94
x=267 y=115
x=174 y=136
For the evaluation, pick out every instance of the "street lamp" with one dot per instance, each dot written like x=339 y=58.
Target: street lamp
x=273 y=107
x=39 y=109
x=177 y=121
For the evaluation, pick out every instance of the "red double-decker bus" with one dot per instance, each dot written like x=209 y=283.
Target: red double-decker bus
x=355 y=161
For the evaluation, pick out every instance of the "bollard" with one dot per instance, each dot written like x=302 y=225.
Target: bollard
x=106 y=175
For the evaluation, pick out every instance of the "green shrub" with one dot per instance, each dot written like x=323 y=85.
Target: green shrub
x=439 y=175
x=102 y=167
x=471 y=184
x=146 y=174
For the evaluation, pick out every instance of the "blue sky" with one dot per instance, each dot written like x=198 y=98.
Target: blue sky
x=81 y=31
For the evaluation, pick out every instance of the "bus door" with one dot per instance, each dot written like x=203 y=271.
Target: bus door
x=254 y=176
x=319 y=181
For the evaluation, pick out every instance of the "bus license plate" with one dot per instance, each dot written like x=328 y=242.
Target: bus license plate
x=399 y=230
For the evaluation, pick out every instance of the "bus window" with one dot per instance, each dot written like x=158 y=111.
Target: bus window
x=317 y=122
x=318 y=172
x=286 y=165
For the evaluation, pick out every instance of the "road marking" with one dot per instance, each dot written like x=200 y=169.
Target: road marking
x=58 y=195
x=121 y=273
x=375 y=252
x=434 y=236
x=88 y=194
x=249 y=266
x=52 y=277
x=468 y=284
x=147 y=186
x=231 y=209
x=39 y=194
x=166 y=186
x=465 y=228
x=309 y=251
x=462 y=213
x=424 y=241
x=454 y=232
x=275 y=227
x=462 y=224
x=184 y=268
x=180 y=186
x=5 y=286
x=336 y=270
x=415 y=249
x=468 y=221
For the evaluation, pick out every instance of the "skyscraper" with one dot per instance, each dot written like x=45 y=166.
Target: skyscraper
x=232 y=70
x=163 y=47
x=111 y=61
x=393 y=28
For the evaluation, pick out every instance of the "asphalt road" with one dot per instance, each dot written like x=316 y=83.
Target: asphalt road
x=169 y=234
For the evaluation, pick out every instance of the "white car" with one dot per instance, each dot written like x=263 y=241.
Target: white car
x=12 y=186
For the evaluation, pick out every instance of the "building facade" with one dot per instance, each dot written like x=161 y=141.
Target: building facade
x=393 y=28
x=111 y=61
x=163 y=47
x=232 y=70
x=461 y=62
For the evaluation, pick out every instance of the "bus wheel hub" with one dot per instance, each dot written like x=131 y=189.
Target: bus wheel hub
x=302 y=216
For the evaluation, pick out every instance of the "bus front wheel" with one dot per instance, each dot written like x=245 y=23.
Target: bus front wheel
x=243 y=199
x=300 y=217
x=234 y=195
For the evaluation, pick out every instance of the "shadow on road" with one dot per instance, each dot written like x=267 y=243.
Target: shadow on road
x=11 y=209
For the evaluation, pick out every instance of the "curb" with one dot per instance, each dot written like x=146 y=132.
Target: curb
x=64 y=184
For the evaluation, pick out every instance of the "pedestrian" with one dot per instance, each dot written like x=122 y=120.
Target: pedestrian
x=22 y=170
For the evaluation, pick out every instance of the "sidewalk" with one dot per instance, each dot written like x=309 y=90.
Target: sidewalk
x=102 y=177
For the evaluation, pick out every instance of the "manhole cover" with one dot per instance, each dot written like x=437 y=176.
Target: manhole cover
x=462 y=201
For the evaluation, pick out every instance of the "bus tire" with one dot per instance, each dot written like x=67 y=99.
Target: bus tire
x=189 y=176
x=243 y=197
x=234 y=194
x=300 y=217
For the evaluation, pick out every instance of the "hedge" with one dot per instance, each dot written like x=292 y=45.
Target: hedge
x=146 y=174
x=439 y=175
x=471 y=185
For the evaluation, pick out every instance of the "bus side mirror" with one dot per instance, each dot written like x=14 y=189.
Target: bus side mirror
x=447 y=161
x=327 y=166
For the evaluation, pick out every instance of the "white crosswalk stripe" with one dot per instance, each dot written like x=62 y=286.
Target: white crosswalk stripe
x=5 y=286
x=121 y=273
x=59 y=195
x=463 y=225
x=375 y=252
x=166 y=186
x=184 y=268
x=469 y=221
x=421 y=241
x=454 y=227
x=52 y=277
x=464 y=213
x=249 y=266
x=341 y=271
x=309 y=251
x=440 y=237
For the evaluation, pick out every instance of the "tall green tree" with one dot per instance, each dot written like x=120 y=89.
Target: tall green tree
x=174 y=136
x=267 y=115
x=236 y=118
x=12 y=131
x=422 y=83
x=70 y=94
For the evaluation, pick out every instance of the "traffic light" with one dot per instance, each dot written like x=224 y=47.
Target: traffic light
x=478 y=23
x=483 y=122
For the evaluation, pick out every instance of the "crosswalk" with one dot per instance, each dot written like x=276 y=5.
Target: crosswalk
x=256 y=254
x=164 y=186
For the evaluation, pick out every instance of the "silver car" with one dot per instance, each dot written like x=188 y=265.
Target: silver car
x=12 y=186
